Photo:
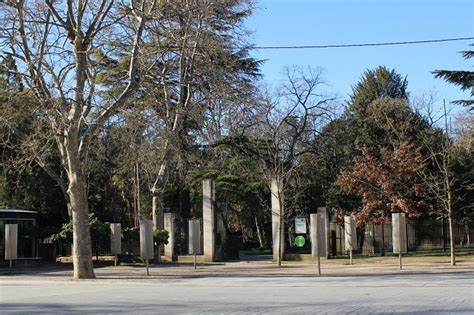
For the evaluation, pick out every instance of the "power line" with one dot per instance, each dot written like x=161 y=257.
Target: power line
x=428 y=41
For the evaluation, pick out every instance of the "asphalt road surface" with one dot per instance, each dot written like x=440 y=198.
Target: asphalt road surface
x=419 y=293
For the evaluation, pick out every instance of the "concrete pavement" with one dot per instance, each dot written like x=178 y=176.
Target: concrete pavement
x=441 y=293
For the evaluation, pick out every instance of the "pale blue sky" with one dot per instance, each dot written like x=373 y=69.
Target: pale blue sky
x=319 y=22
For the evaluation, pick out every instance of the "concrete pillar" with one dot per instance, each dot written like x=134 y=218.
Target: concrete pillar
x=170 y=227
x=277 y=216
x=322 y=211
x=209 y=218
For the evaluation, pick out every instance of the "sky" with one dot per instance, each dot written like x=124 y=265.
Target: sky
x=320 y=22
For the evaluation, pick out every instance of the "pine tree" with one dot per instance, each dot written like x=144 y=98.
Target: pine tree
x=462 y=78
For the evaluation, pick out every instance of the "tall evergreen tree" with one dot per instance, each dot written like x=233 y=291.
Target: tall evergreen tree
x=374 y=84
x=462 y=78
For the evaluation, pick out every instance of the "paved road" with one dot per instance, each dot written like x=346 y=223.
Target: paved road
x=410 y=293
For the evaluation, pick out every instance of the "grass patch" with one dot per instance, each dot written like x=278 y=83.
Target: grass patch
x=410 y=258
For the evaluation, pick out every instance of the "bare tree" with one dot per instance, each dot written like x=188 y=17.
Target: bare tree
x=288 y=123
x=439 y=179
x=52 y=43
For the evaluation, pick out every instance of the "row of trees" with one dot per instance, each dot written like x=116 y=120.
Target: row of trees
x=95 y=92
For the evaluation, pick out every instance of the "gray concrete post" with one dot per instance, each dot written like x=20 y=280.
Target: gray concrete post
x=170 y=227
x=209 y=218
x=277 y=213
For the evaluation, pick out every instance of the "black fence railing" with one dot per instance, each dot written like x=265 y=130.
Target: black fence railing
x=422 y=236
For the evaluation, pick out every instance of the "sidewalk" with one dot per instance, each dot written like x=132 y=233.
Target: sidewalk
x=248 y=268
x=244 y=287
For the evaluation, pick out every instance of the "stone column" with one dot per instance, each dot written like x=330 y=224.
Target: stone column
x=170 y=227
x=277 y=196
x=209 y=218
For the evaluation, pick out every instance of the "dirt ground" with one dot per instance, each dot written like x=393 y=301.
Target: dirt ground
x=258 y=266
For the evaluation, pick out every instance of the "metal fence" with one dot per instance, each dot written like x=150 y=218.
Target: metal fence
x=422 y=236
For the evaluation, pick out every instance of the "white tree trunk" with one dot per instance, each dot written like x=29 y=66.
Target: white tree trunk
x=259 y=233
x=452 y=241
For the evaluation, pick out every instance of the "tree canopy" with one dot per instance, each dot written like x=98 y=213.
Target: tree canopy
x=463 y=78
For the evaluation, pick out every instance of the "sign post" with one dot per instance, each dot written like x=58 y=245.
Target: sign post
x=115 y=241
x=194 y=238
x=350 y=235
x=318 y=238
x=300 y=228
x=299 y=241
x=146 y=242
x=11 y=243
x=399 y=232
x=300 y=225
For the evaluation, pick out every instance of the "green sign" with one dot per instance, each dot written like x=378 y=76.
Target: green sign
x=299 y=241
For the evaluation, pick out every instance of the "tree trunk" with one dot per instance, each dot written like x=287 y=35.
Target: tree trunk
x=157 y=211
x=82 y=245
x=452 y=243
x=280 y=229
x=383 y=240
x=82 y=249
x=468 y=237
x=373 y=239
x=443 y=224
x=157 y=189
x=259 y=234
